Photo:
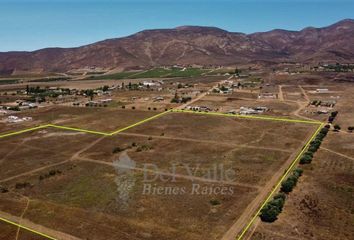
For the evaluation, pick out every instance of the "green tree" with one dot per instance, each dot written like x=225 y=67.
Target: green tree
x=336 y=127
x=269 y=213
x=306 y=159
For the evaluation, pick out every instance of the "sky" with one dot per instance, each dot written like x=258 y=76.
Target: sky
x=27 y=25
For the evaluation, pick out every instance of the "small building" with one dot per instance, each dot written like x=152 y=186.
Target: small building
x=322 y=90
x=108 y=100
x=267 y=96
x=159 y=98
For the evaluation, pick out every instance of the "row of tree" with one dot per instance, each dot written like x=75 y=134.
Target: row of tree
x=274 y=207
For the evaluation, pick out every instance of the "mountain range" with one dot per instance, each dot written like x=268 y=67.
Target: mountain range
x=192 y=45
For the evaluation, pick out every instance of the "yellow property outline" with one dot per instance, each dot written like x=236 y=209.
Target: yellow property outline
x=259 y=117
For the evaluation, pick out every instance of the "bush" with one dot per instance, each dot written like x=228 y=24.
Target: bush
x=280 y=195
x=330 y=119
x=298 y=172
x=271 y=210
x=313 y=149
x=309 y=154
x=324 y=130
x=214 y=202
x=117 y=150
x=22 y=185
x=288 y=185
x=269 y=213
x=337 y=127
x=3 y=189
x=334 y=114
x=350 y=128
x=306 y=159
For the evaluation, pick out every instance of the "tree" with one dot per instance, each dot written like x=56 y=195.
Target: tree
x=288 y=185
x=336 y=127
x=298 y=172
x=269 y=213
x=90 y=93
x=306 y=159
x=105 y=88
x=117 y=150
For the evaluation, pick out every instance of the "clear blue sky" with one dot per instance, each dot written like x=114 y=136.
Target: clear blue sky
x=34 y=24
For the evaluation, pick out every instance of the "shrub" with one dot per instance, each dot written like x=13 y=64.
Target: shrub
x=289 y=184
x=214 y=202
x=324 y=130
x=298 y=172
x=337 y=127
x=22 y=185
x=330 y=119
x=117 y=150
x=271 y=210
x=313 y=148
x=280 y=195
x=309 y=154
x=334 y=114
x=3 y=189
x=350 y=128
x=306 y=159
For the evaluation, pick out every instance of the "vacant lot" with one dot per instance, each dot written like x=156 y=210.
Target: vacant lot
x=91 y=118
x=87 y=195
x=33 y=150
x=169 y=155
x=86 y=192
x=321 y=206
x=9 y=232
x=225 y=129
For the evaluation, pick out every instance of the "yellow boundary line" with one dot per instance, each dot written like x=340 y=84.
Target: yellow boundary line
x=159 y=115
x=275 y=188
x=26 y=228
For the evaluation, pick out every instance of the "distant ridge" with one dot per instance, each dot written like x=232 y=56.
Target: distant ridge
x=188 y=45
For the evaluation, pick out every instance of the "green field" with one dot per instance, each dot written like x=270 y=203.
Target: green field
x=8 y=81
x=153 y=73
x=114 y=76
